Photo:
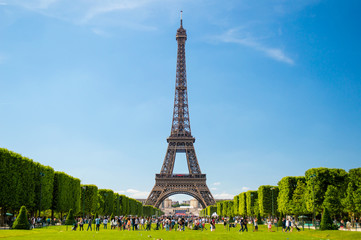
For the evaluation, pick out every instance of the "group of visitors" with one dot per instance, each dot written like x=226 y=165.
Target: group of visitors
x=120 y=223
x=176 y=223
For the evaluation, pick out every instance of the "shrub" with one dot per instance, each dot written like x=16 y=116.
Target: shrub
x=22 y=221
x=70 y=220
x=326 y=221
x=259 y=219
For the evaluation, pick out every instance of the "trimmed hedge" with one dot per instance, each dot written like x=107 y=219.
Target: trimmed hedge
x=70 y=219
x=22 y=222
x=30 y=184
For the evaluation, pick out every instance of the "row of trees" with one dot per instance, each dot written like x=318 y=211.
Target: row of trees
x=28 y=183
x=335 y=189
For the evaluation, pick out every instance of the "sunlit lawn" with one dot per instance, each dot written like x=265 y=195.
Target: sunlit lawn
x=61 y=232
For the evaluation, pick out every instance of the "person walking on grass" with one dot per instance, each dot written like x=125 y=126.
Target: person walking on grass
x=241 y=225
x=288 y=225
x=245 y=221
x=255 y=225
x=89 y=224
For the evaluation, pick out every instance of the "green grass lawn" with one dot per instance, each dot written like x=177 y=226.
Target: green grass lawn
x=60 y=232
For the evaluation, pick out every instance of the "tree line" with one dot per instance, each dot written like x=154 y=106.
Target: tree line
x=335 y=189
x=39 y=188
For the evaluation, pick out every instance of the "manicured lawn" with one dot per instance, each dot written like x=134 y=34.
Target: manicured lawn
x=60 y=232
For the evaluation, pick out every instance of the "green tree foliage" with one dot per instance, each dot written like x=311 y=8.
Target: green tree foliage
x=70 y=219
x=149 y=211
x=298 y=199
x=227 y=208
x=21 y=221
x=326 y=221
x=44 y=184
x=332 y=201
x=117 y=205
x=17 y=186
x=125 y=205
x=236 y=205
x=352 y=200
x=220 y=208
x=230 y=209
x=252 y=203
x=107 y=203
x=24 y=182
x=242 y=204
x=135 y=207
x=348 y=202
x=212 y=209
x=89 y=199
x=323 y=178
x=66 y=193
x=266 y=196
x=357 y=200
x=287 y=186
x=208 y=211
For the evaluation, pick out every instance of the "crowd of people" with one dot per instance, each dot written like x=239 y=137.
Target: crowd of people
x=175 y=223
x=144 y=223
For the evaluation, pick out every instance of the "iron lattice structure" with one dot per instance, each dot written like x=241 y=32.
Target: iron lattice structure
x=180 y=140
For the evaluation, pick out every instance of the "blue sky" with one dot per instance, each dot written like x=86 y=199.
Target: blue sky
x=274 y=88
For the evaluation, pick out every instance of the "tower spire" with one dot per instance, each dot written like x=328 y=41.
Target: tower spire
x=180 y=124
x=181 y=18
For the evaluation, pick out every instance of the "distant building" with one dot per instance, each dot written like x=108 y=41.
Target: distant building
x=187 y=202
x=166 y=204
x=193 y=209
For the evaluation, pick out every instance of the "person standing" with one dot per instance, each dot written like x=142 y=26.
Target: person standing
x=142 y=223
x=283 y=224
x=136 y=222
x=81 y=224
x=105 y=223
x=97 y=224
x=269 y=224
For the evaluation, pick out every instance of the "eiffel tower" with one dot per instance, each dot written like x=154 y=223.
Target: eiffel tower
x=180 y=140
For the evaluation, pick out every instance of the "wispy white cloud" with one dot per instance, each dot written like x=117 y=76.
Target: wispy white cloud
x=235 y=35
x=213 y=189
x=216 y=183
x=106 y=6
x=34 y=4
x=223 y=196
x=245 y=189
x=133 y=193
x=92 y=12
x=100 y=32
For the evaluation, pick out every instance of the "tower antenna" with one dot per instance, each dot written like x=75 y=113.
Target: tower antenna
x=181 y=18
